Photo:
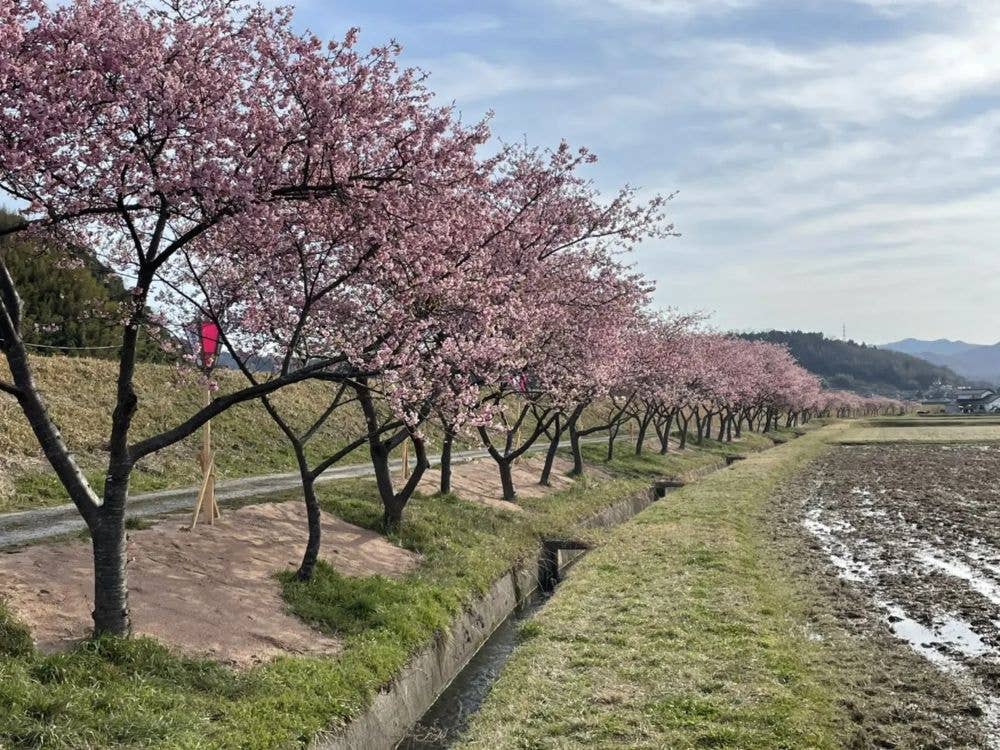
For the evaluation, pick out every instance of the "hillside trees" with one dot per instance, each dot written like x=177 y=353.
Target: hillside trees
x=864 y=369
x=71 y=305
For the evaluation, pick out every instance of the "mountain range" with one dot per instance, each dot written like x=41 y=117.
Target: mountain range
x=859 y=367
x=979 y=362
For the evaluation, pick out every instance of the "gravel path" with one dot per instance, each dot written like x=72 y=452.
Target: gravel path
x=29 y=526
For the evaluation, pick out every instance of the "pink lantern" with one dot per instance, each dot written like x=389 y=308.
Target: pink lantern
x=209 y=343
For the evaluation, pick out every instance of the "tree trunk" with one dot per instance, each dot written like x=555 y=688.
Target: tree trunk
x=111 y=614
x=550 y=454
x=507 y=480
x=449 y=441
x=314 y=519
x=612 y=436
x=392 y=513
x=708 y=426
x=380 y=465
x=641 y=437
x=574 y=444
x=392 y=517
x=684 y=432
x=665 y=437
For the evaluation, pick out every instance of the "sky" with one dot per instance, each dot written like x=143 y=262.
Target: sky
x=833 y=160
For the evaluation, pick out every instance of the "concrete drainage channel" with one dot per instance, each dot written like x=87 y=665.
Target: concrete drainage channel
x=428 y=706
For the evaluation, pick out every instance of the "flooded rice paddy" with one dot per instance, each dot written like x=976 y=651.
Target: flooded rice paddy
x=916 y=529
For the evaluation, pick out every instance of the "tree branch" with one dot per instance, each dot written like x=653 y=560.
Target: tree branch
x=12 y=390
x=219 y=405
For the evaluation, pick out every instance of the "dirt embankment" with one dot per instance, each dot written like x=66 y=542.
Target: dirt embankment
x=212 y=592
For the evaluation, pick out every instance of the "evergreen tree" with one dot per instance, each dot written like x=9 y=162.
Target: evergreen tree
x=68 y=309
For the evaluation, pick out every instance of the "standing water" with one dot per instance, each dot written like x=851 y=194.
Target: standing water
x=445 y=721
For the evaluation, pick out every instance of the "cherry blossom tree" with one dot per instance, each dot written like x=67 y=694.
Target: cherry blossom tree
x=550 y=244
x=368 y=286
x=142 y=131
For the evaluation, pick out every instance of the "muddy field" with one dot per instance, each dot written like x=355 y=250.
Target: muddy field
x=912 y=535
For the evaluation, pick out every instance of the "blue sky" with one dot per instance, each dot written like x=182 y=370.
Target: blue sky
x=834 y=161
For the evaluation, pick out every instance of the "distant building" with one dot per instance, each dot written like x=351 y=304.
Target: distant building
x=977 y=400
x=967 y=401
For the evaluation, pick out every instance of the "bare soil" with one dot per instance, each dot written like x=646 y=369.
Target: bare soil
x=210 y=592
x=904 y=540
x=479 y=481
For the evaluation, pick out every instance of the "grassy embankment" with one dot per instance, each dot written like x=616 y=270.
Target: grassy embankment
x=685 y=630
x=80 y=396
x=134 y=693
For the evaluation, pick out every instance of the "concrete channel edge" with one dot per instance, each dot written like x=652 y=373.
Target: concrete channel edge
x=401 y=704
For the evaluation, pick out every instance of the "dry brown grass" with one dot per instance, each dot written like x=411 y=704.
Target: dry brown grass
x=80 y=396
x=930 y=433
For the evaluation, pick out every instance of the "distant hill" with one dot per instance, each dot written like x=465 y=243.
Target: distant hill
x=859 y=367
x=938 y=347
x=974 y=361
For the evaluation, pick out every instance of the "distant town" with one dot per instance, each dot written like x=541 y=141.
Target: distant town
x=962 y=400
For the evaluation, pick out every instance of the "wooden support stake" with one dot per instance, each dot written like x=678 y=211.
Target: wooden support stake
x=206 y=458
x=406 y=459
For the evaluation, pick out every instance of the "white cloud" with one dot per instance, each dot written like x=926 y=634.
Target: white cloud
x=846 y=83
x=472 y=79
x=466 y=24
x=636 y=9
x=824 y=176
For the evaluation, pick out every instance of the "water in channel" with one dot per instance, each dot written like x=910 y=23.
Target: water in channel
x=445 y=721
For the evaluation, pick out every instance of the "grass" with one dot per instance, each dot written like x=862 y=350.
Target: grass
x=957 y=429
x=684 y=631
x=134 y=693
x=80 y=395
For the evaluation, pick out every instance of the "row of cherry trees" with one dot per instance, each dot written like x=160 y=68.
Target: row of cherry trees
x=311 y=199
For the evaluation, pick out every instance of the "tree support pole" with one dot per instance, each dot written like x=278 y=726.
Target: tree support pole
x=206 y=496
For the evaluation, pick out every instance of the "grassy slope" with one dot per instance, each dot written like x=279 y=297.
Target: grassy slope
x=80 y=396
x=116 y=693
x=685 y=631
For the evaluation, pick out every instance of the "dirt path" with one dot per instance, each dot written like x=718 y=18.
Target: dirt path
x=479 y=481
x=25 y=527
x=212 y=592
x=904 y=542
